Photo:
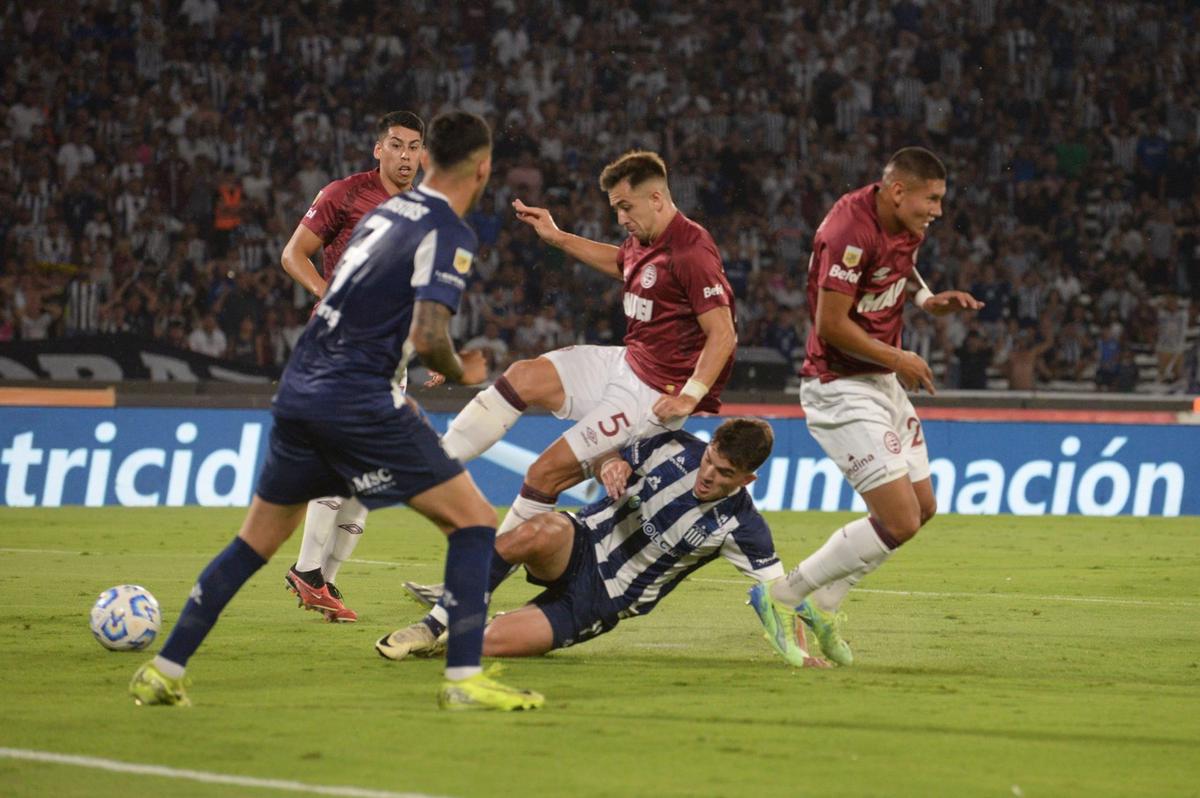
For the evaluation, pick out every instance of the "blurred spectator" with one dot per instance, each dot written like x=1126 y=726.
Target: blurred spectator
x=208 y=339
x=974 y=357
x=1171 y=342
x=1024 y=366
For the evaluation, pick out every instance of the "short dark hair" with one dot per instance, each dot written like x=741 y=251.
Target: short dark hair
x=916 y=162
x=745 y=442
x=399 y=119
x=637 y=166
x=454 y=136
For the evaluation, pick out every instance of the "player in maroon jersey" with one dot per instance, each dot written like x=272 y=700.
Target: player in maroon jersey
x=333 y=525
x=678 y=350
x=863 y=269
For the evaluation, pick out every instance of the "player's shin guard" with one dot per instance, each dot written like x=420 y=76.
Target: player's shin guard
x=319 y=522
x=529 y=502
x=468 y=561
x=483 y=421
x=217 y=584
x=860 y=544
x=347 y=531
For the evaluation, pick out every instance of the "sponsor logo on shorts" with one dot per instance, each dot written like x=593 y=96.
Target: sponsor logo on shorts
x=838 y=273
x=713 y=290
x=892 y=441
x=649 y=276
x=591 y=436
x=858 y=464
x=372 y=481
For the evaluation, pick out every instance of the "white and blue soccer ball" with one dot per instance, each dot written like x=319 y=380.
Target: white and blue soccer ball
x=126 y=618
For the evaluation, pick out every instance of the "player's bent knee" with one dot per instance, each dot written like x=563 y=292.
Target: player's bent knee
x=928 y=511
x=536 y=382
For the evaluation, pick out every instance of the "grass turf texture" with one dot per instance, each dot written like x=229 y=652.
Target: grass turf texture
x=987 y=682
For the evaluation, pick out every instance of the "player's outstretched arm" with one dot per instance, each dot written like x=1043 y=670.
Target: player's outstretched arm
x=945 y=302
x=430 y=336
x=835 y=328
x=297 y=260
x=601 y=257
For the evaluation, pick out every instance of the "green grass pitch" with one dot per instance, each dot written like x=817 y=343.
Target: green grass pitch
x=996 y=656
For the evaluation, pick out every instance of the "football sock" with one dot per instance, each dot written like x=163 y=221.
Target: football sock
x=499 y=571
x=859 y=544
x=829 y=597
x=217 y=584
x=319 y=522
x=347 y=531
x=529 y=502
x=468 y=562
x=483 y=421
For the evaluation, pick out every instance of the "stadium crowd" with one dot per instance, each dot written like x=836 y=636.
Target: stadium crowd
x=159 y=155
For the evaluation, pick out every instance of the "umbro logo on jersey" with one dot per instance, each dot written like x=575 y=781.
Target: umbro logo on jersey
x=879 y=274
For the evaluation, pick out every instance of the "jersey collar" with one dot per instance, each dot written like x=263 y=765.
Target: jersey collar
x=433 y=193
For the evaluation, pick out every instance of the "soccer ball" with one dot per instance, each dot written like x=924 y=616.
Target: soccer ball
x=126 y=618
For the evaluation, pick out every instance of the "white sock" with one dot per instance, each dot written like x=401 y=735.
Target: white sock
x=522 y=510
x=172 y=670
x=479 y=425
x=319 y=523
x=347 y=532
x=829 y=597
x=853 y=547
x=462 y=672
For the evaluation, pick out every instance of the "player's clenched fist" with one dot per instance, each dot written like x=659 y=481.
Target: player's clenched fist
x=614 y=474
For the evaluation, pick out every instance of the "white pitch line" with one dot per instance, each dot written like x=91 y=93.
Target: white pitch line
x=207 y=777
x=1031 y=597
x=41 y=551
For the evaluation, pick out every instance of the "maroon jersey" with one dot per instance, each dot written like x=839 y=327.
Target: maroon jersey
x=854 y=255
x=668 y=283
x=336 y=210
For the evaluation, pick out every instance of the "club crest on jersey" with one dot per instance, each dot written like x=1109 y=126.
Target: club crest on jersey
x=462 y=260
x=649 y=276
x=852 y=256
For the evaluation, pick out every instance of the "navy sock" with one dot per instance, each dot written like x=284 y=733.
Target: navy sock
x=468 y=561
x=497 y=573
x=223 y=577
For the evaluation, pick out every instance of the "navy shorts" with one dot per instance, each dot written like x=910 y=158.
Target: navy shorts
x=577 y=604
x=381 y=461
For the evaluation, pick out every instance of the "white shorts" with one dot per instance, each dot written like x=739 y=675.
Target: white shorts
x=611 y=405
x=868 y=426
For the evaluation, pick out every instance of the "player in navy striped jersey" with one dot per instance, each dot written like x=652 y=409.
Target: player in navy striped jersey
x=674 y=504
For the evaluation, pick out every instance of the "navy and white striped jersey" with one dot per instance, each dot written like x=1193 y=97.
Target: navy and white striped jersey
x=411 y=247
x=645 y=547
